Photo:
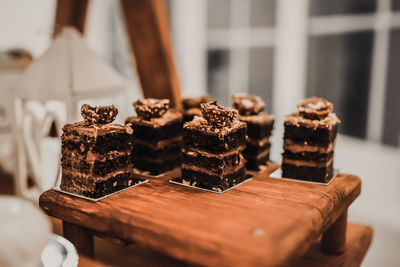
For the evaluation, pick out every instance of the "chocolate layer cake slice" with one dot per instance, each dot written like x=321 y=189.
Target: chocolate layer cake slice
x=191 y=107
x=212 y=145
x=309 y=141
x=259 y=128
x=96 y=158
x=158 y=136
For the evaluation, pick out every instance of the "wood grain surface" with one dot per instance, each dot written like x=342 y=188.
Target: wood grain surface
x=358 y=239
x=264 y=221
x=148 y=31
x=70 y=13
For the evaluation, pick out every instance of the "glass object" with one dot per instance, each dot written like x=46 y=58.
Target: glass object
x=329 y=7
x=260 y=74
x=262 y=13
x=339 y=69
x=217 y=73
x=218 y=13
x=391 y=127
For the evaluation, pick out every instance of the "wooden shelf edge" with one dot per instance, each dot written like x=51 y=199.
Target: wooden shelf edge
x=358 y=240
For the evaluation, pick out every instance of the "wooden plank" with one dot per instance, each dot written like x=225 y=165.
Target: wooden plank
x=265 y=220
x=70 y=13
x=358 y=240
x=148 y=31
x=334 y=239
x=80 y=237
x=87 y=262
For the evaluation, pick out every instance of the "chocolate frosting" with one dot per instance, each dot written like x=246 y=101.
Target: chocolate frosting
x=151 y=108
x=248 y=104
x=217 y=115
x=315 y=108
x=98 y=115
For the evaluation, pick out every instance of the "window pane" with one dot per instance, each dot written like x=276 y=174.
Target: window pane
x=391 y=128
x=218 y=13
x=260 y=74
x=217 y=74
x=395 y=4
x=262 y=13
x=339 y=70
x=331 y=7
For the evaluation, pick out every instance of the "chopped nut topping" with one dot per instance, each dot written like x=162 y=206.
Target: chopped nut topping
x=315 y=108
x=98 y=115
x=217 y=115
x=248 y=104
x=151 y=108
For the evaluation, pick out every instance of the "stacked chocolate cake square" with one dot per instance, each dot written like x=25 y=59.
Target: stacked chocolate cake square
x=96 y=158
x=259 y=128
x=158 y=136
x=191 y=107
x=309 y=141
x=212 y=146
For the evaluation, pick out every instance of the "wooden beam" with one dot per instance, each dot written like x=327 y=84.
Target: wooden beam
x=148 y=31
x=70 y=13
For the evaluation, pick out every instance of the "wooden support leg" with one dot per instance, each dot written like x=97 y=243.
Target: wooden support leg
x=80 y=237
x=334 y=239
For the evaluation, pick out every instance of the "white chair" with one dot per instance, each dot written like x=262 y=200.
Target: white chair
x=38 y=154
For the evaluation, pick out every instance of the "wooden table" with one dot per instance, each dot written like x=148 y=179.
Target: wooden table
x=265 y=221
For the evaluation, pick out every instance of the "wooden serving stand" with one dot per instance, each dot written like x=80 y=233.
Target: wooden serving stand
x=265 y=221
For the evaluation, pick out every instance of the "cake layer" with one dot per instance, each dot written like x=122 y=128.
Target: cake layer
x=197 y=134
x=96 y=164
x=168 y=152
x=307 y=173
x=155 y=167
x=213 y=182
x=308 y=156
x=253 y=163
x=311 y=132
x=215 y=163
x=290 y=145
x=310 y=135
x=252 y=148
x=155 y=129
x=96 y=188
x=258 y=126
x=82 y=144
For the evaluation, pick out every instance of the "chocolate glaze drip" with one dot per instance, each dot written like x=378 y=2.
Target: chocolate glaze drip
x=217 y=115
x=248 y=104
x=98 y=115
x=315 y=108
x=151 y=108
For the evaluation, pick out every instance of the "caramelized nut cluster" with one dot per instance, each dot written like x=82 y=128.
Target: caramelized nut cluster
x=315 y=108
x=217 y=115
x=98 y=115
x=248 y=104
x=151 y=108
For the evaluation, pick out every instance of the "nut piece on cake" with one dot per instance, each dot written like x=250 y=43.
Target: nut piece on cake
x=315 y=108
x=217 y=115
x=151 y=107
x=248 y=104
x=309 y=141
x=191 y=107
x=259 y=128
x=98 y=115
